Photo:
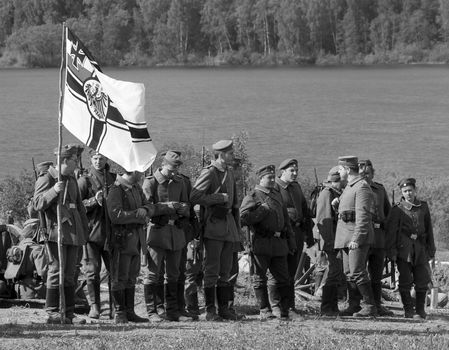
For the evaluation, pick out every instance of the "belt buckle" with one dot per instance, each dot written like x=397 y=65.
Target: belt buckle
x=72 y=205
x=171 y=222
x=376 y=225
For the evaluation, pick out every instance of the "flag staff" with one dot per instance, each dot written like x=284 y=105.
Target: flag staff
x=60 y=197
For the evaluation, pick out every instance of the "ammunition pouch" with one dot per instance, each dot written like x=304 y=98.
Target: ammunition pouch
x=347 y=216
x=219 y=211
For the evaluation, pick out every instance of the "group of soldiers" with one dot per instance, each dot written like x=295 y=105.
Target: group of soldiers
x=183 y=236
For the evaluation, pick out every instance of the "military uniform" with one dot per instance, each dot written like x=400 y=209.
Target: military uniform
x=99 y=231
x=74 y=230
x=326 y=223
x=355 y=225
x=219 y=219
x=127 y=240
x=301 y=223
x=410 y=239
x=166 y=240
x=264 y=211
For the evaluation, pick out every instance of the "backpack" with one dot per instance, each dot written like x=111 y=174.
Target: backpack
x=314 y=198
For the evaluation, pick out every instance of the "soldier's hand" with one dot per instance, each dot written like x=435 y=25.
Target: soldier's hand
x=277 y=234
x=183 y=209
x=59 y=186
x=99 y=197
x=353 y=245
x=225 y=197
x=141 y=213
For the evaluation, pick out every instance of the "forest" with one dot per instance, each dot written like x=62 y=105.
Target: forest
x=233 y=32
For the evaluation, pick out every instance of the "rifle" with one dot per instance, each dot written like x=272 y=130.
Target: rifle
x=42 y=233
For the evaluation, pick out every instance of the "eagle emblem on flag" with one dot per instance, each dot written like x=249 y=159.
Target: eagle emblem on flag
x=97 y=100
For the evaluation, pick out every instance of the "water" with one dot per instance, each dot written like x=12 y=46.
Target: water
x=397 y=116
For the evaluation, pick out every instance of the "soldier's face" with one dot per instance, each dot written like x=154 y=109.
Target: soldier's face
x=134 y=177
x=98 y=161
x=290 y=174
x=68 y=165
x=169 y=170
x=228 y=157
x=368 y=172
x=343 y=171
x=409 y=193
x=267 y=181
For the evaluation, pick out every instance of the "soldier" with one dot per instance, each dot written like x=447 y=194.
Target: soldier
x=326 y=222
x=264 y=211
x=298 y=212
x=74 y=230
x=166 y=239
x=215 y=191
x=410 y=243
x=354 y=236
x=94 y=187
x=376 y=254
x=128 y=210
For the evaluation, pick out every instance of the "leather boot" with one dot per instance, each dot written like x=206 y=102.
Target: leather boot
x=69 y=293
x=151 y=303
x=223 y=297
x=353 y=300
x=192 y=305
x=129 y=306
x=211 y=311
x=275 y=300
x=94 y=300
x=120 y=308
x=264 y=304
x=183 y=313
x=369 y=306
x=171 y=302
x=377 y=294
x=284 y=292
x=420 y=305
x=328 y=301
x=407 y=302
x=52 y=307
x=160 y=299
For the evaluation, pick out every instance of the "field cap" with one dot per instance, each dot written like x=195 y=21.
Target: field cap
x=222 y=145
x=351 y=161
x=41 y=167
x=265 y=170
x=68 y=151
x=334 y=175
x=171 y=150
x=94 y=152
x=172 y=158
x=288 y=162
x=407 y=181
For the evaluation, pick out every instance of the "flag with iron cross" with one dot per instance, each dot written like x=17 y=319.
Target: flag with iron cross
x=106 y=114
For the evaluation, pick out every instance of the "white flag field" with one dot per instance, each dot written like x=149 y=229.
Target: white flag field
x=105 y=114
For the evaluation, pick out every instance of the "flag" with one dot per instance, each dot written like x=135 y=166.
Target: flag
x=106 y=114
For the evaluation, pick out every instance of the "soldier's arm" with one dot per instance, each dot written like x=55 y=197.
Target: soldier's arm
x=289 y=231
x=44 y=193
x=324 y=216
x=117 y=213
x=251 y=212
x=155 y=209
x=363 y=216
x=89 y=201
x=199 y=192
x=430 y=241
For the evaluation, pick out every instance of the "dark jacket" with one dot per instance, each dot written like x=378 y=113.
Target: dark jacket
x=407 y=219
x=89 y=185
x=381 y=210
x=264 y=222
x=74 y=227
x=326 y=217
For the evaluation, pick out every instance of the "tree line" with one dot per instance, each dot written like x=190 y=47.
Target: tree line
x=152 y=32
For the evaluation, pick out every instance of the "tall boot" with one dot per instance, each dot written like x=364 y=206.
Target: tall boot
x=284 y=292
x=129 y=306
x=223 y=296
x=275 y=300
x=183 y=313
x=369 y=306
x=94 y=299
x=377 y=294
x=192 y=304
x=120 y=308
x=407 y=302
x=264 y=303
x=52 y=306
x=69 y=293
x=328 y=301
x=160 y=299
x=353 y=300
x=211 y=311
x=171 y=302
x=151 y=303
x=420 y=305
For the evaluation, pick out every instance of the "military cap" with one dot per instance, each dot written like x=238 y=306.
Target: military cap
x=365 y=163
x=348 y=161
x=286 y=163
x=94 y=152
x=162 y=154
x=68 y=151
x=407 y=181
x=43 y=166
x=222 y=145
x=265 y=170
x=334 y=175
x=172 y=158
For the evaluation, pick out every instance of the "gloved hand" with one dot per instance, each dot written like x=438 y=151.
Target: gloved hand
x=59 y=186
x=182 y=209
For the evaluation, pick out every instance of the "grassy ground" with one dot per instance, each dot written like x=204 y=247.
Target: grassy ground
x=23 y=328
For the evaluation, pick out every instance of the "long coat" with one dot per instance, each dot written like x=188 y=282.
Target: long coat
x=264 y=222
x=326 y=217
x=356 y=200
x=208 y=192
x=381 y=210
x=407 y=219
x=74 y=227
x=159 y=189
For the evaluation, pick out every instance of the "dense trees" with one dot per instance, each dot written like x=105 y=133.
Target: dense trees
x=148 y=32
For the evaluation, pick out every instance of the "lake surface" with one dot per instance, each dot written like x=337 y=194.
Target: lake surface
x=396 y=116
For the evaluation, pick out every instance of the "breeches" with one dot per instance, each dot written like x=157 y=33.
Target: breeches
x=124 y=270
x=335 y=268
x=217 y=262
x=376 y=262
x=354 y=264
x=159 y=258
x=92 y=267
x=413 y=274
x=278 y=271
x=70 y=260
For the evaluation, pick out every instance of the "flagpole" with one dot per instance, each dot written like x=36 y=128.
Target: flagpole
x=60 y=250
